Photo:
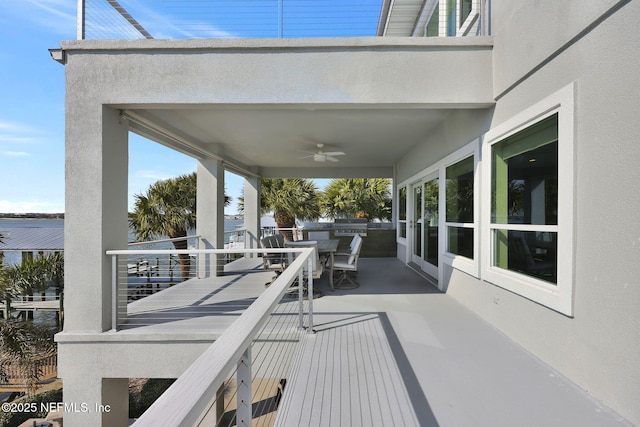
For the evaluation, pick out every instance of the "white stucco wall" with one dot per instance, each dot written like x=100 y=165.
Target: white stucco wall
x=598 y=348
x=103 y=76
x=288 y=71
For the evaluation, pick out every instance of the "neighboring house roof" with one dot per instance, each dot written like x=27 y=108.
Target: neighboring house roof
x=32 y=239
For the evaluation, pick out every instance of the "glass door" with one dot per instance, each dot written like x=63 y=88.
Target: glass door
x=424 y=224
x=430 y=227
x=416 y=223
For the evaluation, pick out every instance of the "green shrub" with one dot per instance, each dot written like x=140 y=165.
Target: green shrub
x=14 y=419
x=151 y=390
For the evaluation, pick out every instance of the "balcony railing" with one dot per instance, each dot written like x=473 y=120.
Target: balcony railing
x=199 y=393
x=180 y=19
x=16 y=378
x=134 y=281
x=193 y=19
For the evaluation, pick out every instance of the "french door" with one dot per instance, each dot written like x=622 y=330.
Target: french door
x=424 y=232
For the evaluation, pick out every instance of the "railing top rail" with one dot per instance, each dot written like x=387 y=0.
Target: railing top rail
x=190 y=396
x=199 y=251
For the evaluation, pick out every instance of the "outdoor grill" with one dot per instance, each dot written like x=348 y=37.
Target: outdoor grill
x=350 y=227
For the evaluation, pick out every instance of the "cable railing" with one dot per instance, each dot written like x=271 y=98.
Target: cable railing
x=189 y=19
x=242 y=375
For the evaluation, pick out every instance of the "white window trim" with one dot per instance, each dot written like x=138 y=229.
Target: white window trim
x=438 y=169
x=399 y=238
x=471 y=19
x=558 y=297
x=459 y=262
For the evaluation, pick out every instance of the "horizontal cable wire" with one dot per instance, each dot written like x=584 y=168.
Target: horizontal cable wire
x=181 y=19
x=267 y=370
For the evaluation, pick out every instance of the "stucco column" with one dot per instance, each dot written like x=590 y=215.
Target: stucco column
x=95 y=401
x=95 y=221
x=252 y=211
x=210 y=210
x=95 y=212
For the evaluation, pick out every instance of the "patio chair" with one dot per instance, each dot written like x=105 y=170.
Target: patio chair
x=346 y=250
x=273 y=261
x=317 y=267
x=344 y=264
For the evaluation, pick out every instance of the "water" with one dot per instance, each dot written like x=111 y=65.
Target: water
x=14 y=257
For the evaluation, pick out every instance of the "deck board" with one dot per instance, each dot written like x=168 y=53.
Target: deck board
x=397 y=352
x=208 y=304
x=350 y=378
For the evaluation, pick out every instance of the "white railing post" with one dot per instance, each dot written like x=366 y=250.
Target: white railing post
x=310 y=292
x=280 y=19
x=81 y=20
x=198 y=267
x=114 y=292
x=301 y=299
x=243 y=379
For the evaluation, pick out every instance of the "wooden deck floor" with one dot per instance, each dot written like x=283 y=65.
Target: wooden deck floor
x=347 y=375
x=195 y=306
x=397 y=352
x=394 y=352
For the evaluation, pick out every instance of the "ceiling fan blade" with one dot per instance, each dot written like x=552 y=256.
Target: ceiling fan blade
x=334 y=153
x=332 y=159
x=305 y=157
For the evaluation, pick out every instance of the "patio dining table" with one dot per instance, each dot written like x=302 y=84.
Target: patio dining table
x=328 y=247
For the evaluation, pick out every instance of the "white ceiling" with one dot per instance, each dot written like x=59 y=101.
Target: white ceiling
x=268 y=137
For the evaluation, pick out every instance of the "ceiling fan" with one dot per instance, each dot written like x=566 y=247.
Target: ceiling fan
x=320 y=155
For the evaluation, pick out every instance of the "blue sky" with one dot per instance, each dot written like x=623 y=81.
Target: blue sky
x=32 y=104
x=32 y=112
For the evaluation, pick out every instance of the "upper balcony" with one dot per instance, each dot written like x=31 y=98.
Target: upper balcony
x=357 y=74
x=176 y=19
x=394 y=351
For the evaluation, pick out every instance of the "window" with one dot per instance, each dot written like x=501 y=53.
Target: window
x=451 y=14
x=464 y=18
x=460 y=208
x=527 y=232
x=432 y=28
x=524 y=206
x=465 y=11
x=402 y=213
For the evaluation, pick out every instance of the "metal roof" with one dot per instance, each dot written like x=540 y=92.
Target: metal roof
x=32 y=239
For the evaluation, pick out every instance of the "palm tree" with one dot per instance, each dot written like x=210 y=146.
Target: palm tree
x=168 y=209
x=358 y=198
x=22 y=344
x=28 y=277
x=289 y=199
x=54 y=268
